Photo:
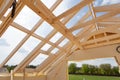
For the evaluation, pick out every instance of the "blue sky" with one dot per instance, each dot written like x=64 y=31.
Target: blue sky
x=27 y=18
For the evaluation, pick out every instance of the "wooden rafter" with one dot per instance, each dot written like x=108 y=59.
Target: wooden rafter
x=39 y=8
x=27 y=36
x=4 y=5
x=8 y=20
x=106 y=8
x=75 y=8
x=107 y=15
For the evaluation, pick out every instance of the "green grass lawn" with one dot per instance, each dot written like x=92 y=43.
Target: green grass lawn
x=86 y=77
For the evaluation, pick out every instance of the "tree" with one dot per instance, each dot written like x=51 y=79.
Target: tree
x=92 y=69
x=85 y=68
x=72 y=68
x=105 y=69
x=115 y=70
x=31 y=66
x=9 y=68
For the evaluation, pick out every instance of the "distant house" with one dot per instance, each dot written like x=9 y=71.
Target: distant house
x=3 y=70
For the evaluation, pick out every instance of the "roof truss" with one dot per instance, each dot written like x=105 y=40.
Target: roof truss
x=90 y=33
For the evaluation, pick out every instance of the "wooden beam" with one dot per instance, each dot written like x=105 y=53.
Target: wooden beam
x=55 y=45
x=48 y=61
x=47 y=15
x=101 y=39
x=12 y=75
x=58 y=61
x=59 y=72
x=113 y=29
x=112 y=19
x=112 y=39
x=26 y=60
x=104 y=43
x=75 y=8
x=5 y=24
x=67 y=18
x=93 y=14
x=88 y=14
x=107 y=15
x=86 y=31
x=29 y=33
x=33 y=54
x=39 y=8
x=1 y=2
x=107 y=8
x=107 y=25
x=52 y=59
x=4 y=6
x=34 y=36
x=94 y=53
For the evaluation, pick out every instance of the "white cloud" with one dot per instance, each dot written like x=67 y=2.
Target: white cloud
x=9 y=40
x=44 y=29
x=39 y=59
x=56 y=37
x=27 y=18
x=23 y=50
x=16 y=59
x=54 y=50
x=63 y=42
x=3 y=42
x=46 y=47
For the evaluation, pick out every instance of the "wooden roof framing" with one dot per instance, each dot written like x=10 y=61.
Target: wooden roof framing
x=95 y=32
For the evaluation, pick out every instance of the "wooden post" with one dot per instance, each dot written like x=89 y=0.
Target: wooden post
x=119 y=68
x=24 y=74
x=117 y=58
x=12 y=75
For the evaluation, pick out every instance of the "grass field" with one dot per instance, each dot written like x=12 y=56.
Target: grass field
x=86 y=77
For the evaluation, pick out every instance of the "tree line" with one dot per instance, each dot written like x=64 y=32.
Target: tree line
x=103 y=69
x=86 y=69
x=9 y=68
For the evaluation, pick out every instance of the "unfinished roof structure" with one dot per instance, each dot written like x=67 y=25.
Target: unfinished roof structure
x=57 y=31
